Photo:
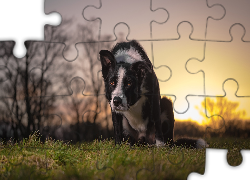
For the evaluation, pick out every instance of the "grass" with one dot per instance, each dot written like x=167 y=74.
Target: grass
x=32 y=159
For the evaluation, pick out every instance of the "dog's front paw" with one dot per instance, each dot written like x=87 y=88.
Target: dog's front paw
x=159 y=143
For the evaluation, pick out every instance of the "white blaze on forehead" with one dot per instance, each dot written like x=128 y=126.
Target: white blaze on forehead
x=119 y=88
x=128 y=56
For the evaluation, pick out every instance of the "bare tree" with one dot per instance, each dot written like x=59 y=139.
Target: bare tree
x=223 y=115
x=90 y=111
x=30 y=86
x=25 y=85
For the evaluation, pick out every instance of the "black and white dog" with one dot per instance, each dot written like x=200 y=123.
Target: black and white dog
x=132 y=89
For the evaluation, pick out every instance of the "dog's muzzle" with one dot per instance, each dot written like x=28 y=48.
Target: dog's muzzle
x=117 y=101
x=118 y=104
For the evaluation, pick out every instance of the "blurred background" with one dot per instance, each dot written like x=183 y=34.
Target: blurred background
x=57 y=88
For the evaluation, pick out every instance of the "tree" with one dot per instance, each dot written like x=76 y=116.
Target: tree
x=25 y=83
x=91 y=111
x=221 y=107
x=30 y=85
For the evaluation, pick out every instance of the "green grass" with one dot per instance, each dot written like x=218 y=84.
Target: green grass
x=31 y=159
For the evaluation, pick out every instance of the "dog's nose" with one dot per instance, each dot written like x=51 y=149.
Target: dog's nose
x=117 y=101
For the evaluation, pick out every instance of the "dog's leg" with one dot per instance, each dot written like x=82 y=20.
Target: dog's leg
x=130 y=140
x=167 y=120
x=154 y=131
x=157 y=120
x=118 y=130
x=129 y=133
x=167 y=130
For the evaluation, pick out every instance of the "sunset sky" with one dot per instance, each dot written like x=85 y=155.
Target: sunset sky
x=177 y=47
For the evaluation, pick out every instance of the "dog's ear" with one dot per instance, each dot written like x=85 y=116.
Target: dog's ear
x=141 y=69
x=108 y=61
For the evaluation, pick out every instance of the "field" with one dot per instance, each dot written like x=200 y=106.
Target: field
x=32 y=159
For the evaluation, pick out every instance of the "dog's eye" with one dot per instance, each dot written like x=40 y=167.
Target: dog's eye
x=112 y=83
x=129 y=83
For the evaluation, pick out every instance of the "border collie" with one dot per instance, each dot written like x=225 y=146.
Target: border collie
x=132 y=89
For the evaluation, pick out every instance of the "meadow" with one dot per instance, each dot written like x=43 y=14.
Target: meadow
x=33 y=159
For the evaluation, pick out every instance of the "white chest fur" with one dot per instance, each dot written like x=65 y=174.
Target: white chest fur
x=134 y=116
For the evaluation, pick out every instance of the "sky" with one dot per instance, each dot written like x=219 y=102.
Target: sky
x=187 y=66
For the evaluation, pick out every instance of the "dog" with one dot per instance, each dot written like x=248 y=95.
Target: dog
x=139 y=114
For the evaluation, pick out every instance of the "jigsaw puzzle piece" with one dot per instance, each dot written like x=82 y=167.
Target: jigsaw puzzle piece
x=217 y=167
x=81 y=116
x=58 y=73
x=225 y=60
x=112 y=13
x=41 y=72
x=87 y=65
x=16 y=73
x=91 y=66
x=123 y=161
x=4 y=77
x=170 y=162
x=178 y=158
x=28 y=157
x=105 y=162
x=72 y=26
x=236 y=12
x=50 y=124
x=192 y=114
x=97 y=127
x=188 y=124
x=23 y=107
x=20 y=157
x=196 y=12
x=6 y=71
x=39 y=161
x=13 y=160
x=168 y=53
x=68 y=109
x=21 y=117
x=212 y=118
x=28 y=21
x=233 y=130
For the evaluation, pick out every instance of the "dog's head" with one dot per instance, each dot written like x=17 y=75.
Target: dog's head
x=124 y=70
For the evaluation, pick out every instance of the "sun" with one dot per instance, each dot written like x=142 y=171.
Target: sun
x=192 y=113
